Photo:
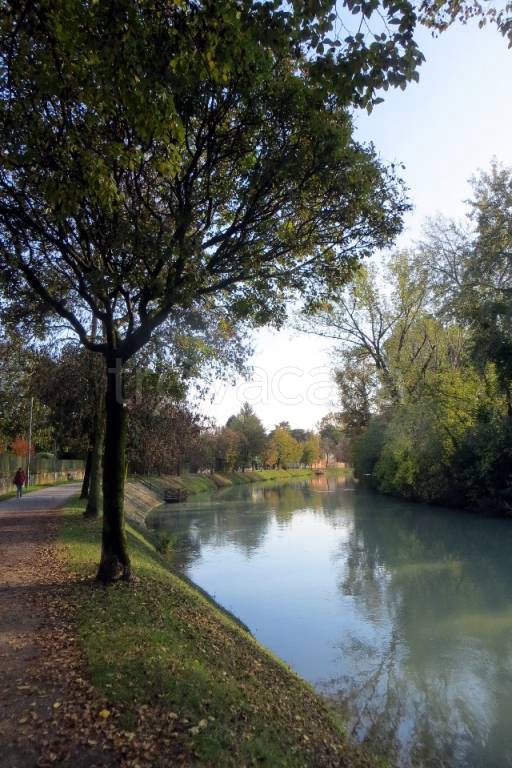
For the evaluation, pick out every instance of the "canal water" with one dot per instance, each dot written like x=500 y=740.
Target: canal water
x=400 y=613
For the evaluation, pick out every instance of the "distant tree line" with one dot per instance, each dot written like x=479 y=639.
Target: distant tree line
x=243 y=443
x=166 y=435
x=184 y=440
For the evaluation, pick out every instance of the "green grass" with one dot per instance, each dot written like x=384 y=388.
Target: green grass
x=280 y=474
x=12 y=494
x=222 y=481
x=239 y=478
x=163 y=644
x=188 y=481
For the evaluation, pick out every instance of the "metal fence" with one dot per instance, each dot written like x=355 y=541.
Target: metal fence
x=44 y=470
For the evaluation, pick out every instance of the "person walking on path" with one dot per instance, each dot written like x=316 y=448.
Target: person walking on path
x=19 y=482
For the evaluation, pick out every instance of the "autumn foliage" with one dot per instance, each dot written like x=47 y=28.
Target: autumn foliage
x=20 y=447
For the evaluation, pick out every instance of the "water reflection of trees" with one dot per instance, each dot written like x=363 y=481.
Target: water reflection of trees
x=433 y=684
x=241 y=516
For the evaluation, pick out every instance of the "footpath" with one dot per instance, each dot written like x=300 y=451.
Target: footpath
x=44 y=699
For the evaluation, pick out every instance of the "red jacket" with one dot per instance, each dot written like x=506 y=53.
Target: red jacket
x=19 y=477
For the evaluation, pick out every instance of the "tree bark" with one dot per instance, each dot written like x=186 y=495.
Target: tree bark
x=115 y=561
x=93 y=504
x=84 y=493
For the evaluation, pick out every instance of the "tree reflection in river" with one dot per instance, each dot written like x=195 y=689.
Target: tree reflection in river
x=433 y=685
x=240 y=515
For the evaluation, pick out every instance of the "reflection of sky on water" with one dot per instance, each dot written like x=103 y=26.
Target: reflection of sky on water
x=402 y=614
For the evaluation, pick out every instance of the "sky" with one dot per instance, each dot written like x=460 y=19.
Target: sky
x=443 y=129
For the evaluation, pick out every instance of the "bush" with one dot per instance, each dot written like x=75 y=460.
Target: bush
x=163 y=543
x=452 y=445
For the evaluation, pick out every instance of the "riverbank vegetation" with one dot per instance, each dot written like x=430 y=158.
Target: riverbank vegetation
x=183 y=679
x=424 y=362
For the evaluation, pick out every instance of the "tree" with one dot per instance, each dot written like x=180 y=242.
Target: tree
x=227 y=449
x=200 y=453
x=271 y=453
x=311 y=451
x=284 y=448
x=18 y=363
x=357 y=383
x=14 y=390
x=470 y=267
x=440 y=14
x=59 y=380
x=362 y=318
x=165 y=433
x=387 y=341
x=446 y=438
x=20 y=447
x=67 y=380
x=300 y=435
x=331 y=426
x=490 y=274
x=185 y=151
x=425 y=439
x=162 y=435
x=333 y=436
x=252 y=435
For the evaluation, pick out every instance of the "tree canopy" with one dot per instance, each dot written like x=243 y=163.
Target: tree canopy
x=163 y=155
x=160 y=154
x=251 y=435
x=440 y=14
x=154 y=153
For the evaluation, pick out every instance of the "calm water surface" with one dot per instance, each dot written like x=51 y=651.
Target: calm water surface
x=401 y=613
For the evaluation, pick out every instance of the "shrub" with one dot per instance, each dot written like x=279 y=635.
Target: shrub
x=163 y=543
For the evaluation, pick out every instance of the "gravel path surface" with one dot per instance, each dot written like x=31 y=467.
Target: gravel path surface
x=32 y=628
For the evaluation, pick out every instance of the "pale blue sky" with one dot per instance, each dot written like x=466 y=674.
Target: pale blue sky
x=443 y=129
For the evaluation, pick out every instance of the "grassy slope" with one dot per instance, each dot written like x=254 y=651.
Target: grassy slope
x=139 y=500
x=187 y=481
x=162 y=644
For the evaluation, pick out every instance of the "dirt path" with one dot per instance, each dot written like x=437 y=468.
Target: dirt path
x=45 y=708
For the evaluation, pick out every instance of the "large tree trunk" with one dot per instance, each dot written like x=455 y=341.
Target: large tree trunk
x=93 y=504
x=115 y=562
x=84 y=493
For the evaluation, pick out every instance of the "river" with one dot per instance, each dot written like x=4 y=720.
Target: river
x=400 y=613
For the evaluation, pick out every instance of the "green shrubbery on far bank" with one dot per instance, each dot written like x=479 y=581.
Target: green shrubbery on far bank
x=424 y=362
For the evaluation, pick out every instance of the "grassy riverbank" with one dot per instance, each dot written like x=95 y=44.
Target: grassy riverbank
x=199 y=483
x=180 y=674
